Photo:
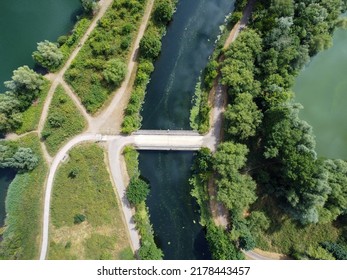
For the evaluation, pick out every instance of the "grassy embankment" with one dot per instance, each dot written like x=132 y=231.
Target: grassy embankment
x=64 y=121
x=24 y=208
x=86 y=216
x=143 y=223
x=110 y=41
x=153 y=34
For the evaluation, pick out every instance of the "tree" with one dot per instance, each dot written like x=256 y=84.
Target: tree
x=235 y=190
x=137 y=191
x=149 y=251
x=89 y=6
x=22 y=159
x=150 y=45
x=115 y=71
x=163 y=11
x=10 y=117
x=243 y=117
x=48 y=55
x=25 y=85
x=336 y=203
x=297 y=176
x=222 y=247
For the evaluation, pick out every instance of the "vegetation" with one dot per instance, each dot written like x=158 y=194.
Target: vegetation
x=91 y=78
x=63 y=121
x=150 y=47
x=20 y=107
x=48 y=55
x=25 y=86
x=148 y=249
x=89 y=6
x=19 y=158
x=268 y=146
x=137 y=191
x=86 y=203
x=200 y=112
x=223 y=244
x=23 y=206
x=67 y=43
x=31 y=116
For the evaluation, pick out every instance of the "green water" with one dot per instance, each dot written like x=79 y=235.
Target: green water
x=186 y=47
x=23 y=23
x=322 y=89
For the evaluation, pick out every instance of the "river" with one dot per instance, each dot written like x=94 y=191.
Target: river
x=24 y=23
x=322 y=88
x=185 y=50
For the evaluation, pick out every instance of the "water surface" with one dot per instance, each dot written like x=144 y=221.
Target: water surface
x=322 y=88
x=23 y=23
x=174 y=212
x=186 y=47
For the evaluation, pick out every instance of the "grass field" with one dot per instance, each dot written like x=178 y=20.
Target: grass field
x=63 y=122
x=31 y=117
x=24 y=208
x=83 y=187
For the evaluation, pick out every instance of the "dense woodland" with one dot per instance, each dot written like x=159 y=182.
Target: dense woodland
x=268 y=155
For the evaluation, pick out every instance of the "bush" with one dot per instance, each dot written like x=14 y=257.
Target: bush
x=78 y=219
x=137 y=191
x=163 y=11
x=115 y=72
x=150 y=45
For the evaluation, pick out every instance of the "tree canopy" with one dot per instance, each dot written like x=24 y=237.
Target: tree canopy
x=48 y=55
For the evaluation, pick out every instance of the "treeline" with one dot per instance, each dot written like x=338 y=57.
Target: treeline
x=150 y=47
x=268 y=151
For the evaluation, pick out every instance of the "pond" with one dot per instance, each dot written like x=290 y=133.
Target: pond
x=322 y=88
x=25 y=23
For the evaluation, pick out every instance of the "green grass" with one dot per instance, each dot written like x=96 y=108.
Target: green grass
x=288 y=237
x=64 y=121
x=103 y=234
x=24 y=208
x=131 y=157
x=73 y=39
x=112 y=38
x=31 y=117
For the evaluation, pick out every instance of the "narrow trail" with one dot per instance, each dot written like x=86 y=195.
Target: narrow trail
x=219 y=93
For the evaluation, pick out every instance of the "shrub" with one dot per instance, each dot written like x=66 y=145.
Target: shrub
x=115 y=71
x=78 y=219
x=137 y=191
x=150 y=45
x=163 y=11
